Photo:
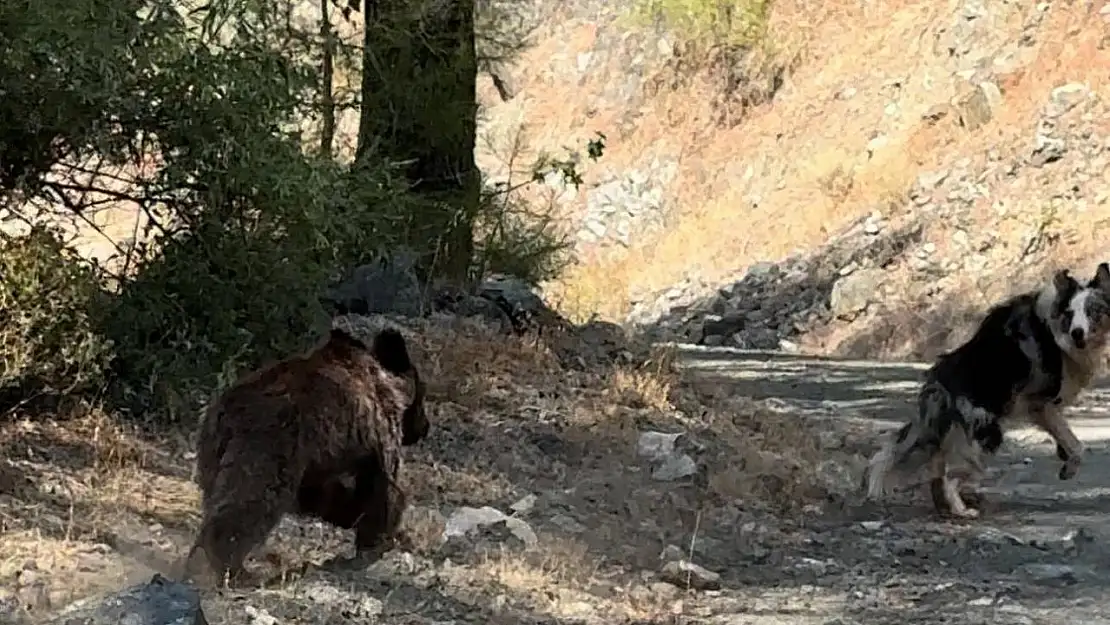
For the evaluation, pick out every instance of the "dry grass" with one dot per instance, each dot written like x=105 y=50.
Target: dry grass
x=88 y=505
x=802 y=167
x=69 y=491
x=773 y=457
x=553 y=577
x=633 y=387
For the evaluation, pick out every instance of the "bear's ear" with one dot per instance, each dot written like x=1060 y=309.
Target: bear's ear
x=342 y=337
x=391 y=351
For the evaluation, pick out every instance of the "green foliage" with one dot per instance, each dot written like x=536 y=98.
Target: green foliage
x=70 y=80
x=740 y=23
x=242 y=227
x=250 y=244
x=517 y=238
x=49 y=338
x=211 y=302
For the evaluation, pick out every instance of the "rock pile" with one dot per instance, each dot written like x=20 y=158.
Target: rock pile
x=391 y=286
x=775 y=302
x=939 y=238
x=632 y=203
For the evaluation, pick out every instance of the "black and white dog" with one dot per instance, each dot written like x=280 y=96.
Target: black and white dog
x=1030 y=357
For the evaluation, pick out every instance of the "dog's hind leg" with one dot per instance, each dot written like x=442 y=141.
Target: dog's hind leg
x=1050 y=418
x=1061 y=453
x=945 y=488
x=969 y=483
x=882 y=464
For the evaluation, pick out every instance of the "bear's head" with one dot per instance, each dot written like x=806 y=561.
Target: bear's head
x=392 y=355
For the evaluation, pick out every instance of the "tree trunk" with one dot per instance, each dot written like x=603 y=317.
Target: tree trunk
x=418 y=105
x=327 y=73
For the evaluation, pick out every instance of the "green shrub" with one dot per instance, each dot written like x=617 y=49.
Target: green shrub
x=211 y=304
x=238 y=283
x=517 y=240
x=246 y=229
x=516 y=237
x=741 y=23
x=49 y=338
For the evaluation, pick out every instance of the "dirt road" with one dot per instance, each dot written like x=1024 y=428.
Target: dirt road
x=1039 y=555
x=596 y=526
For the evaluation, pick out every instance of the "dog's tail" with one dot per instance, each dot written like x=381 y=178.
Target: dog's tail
x=909 y=448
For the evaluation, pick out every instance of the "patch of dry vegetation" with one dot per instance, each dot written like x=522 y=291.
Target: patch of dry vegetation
x=88 y=505
x=71 y=493
x=793 y=172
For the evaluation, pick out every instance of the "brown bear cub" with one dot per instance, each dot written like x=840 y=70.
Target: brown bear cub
x=282 y=438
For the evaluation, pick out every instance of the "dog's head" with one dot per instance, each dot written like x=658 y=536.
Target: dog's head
x=1097 y=306
x=1079 y=314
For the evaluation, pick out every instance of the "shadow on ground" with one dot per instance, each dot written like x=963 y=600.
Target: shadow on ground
x=880 y=318
x=568 y=442
x=791 y=293
x=837 y=387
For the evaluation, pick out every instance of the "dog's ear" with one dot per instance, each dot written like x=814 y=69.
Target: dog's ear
x=1102 y=278
x=1063 y=282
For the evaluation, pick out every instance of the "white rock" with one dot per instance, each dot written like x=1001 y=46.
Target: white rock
x=671 y=553
x=683 y=572
x=524 y=505
x=981 y=601
x=259 y=616
x=1066 y=97
x=789 y=347
x=522 y=530
x=675 y=467
x=1051 y=573
x=467 y=519
x=656 y=445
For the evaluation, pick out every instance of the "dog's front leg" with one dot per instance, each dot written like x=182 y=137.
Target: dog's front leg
x=1050 y=418
x=944 y=487
x=969 y=481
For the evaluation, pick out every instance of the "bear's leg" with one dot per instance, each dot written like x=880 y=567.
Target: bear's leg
x=228 y=536
x=311 y=495
x=330 y=500
x=381 y=517
x=381 y=501
x=240 y=512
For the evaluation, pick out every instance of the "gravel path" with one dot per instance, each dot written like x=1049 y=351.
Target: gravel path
x=560 y=455
x=1038 y=555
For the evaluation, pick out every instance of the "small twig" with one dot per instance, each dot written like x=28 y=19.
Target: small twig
x=133 y=246
x=77 y=210
x=693 y=541
x=69 y=519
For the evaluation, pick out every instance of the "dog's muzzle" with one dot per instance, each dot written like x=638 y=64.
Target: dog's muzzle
x=1079 y=338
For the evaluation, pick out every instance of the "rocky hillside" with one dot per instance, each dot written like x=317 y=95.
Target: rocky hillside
x=863 y=190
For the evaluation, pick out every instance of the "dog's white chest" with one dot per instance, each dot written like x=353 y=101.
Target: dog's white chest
x=1077 y=376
